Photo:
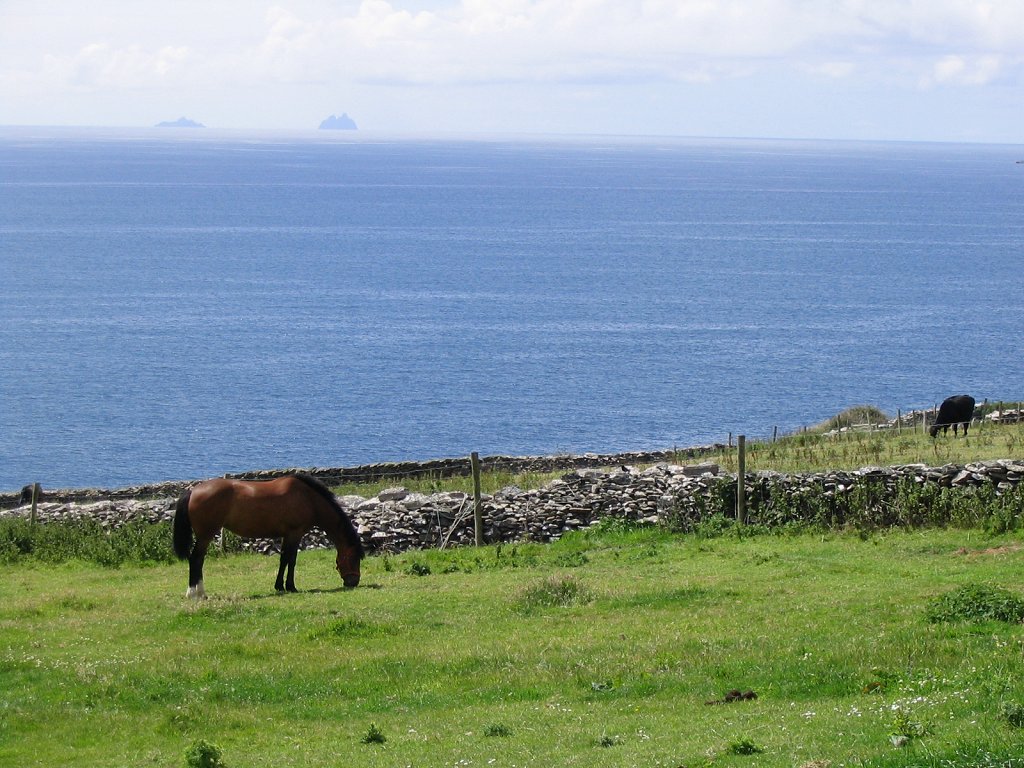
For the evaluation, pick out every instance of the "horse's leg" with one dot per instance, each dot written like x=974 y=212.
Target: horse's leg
x=289 y=553
x=290 y=584
x=279 y=584
x=289 y=550
x=195 y=569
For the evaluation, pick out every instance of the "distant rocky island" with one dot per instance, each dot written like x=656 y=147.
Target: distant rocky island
x=335 y=123
x=181 y=122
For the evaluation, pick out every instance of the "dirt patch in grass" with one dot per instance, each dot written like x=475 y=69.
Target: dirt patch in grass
x=1005 y=549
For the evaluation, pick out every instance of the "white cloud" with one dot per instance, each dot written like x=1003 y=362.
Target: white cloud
x=544 y=40
x=476 y=41
x=319 y=48
x=98 y=66
x=961 y=70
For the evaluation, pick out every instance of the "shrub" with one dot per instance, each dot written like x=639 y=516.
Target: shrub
x=976 y=603
x=203 y=754
x=374 y=735
x=744 y=747
x=905 y=728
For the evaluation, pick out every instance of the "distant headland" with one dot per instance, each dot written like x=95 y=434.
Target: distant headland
x=181 y=122
x=335 y=123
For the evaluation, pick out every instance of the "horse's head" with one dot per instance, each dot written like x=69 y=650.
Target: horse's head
x=348 y=565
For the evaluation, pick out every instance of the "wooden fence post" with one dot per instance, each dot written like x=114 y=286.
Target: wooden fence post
x=478 y=506
x=741 y=481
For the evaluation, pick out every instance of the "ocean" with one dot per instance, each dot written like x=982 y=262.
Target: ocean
x=177 y=304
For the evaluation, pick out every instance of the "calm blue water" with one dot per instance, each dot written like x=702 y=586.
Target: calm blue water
x=175 y=306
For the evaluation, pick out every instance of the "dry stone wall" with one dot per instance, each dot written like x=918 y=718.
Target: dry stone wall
x=386 y=471
x=396 y=519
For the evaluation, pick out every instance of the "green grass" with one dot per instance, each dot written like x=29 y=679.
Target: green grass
x=602 y=649
x=816 y=452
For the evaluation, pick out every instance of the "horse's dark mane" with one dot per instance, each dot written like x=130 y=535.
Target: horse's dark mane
x=347 y=528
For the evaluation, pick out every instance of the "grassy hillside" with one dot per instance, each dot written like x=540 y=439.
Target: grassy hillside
x=603 y=649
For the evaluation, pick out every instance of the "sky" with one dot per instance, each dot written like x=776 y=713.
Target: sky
x=915 y=70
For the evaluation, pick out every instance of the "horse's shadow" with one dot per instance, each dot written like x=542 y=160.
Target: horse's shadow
x=314 y=591
x=321 y=591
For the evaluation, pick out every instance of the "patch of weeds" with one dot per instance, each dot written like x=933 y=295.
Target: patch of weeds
x=1013 y=713
x=714 y=526
x=58 y=542
x=497 y=730
x=515 y=557
x=744 y=747
x=571 y=560
x=610 y=527
x=554 y=592
x=976 y=603
x=609 y=741
x=203 y=754
x=416 y=568
x=373 y=735
x=905 y=728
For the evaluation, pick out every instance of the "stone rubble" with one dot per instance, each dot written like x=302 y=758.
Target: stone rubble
x=396 y=519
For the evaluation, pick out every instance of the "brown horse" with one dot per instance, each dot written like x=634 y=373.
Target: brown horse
x=284 y=508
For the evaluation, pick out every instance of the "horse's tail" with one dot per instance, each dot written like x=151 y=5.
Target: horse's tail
x=182 y=527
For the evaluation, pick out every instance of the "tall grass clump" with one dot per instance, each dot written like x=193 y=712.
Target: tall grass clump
x=854 y=416
x=553 y=592
x=977 y=603
x=85 y=540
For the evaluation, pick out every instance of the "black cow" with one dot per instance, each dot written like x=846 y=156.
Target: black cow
x=954 y=411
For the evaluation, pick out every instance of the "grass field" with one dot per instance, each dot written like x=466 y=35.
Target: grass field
x=604 y=648
x=601 y=649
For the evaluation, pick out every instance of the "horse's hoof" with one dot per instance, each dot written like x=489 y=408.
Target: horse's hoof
x=197 y=592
